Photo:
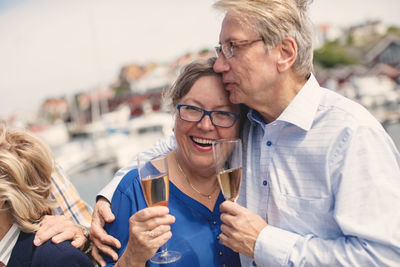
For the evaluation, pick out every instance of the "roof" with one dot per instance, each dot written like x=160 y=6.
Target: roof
x=381 y=46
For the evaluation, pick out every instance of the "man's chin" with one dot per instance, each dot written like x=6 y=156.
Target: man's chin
x=233 y=99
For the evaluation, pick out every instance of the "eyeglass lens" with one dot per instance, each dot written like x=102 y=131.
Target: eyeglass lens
x=196 y=114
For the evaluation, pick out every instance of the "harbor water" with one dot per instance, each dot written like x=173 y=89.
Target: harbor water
x=91 y=181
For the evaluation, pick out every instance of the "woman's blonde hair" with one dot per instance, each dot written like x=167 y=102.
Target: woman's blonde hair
x=275 y=20
x=25 y=169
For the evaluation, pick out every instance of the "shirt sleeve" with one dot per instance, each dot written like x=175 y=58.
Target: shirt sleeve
x=365 y=172
x=276 y=242
x=161 y=147
x=67 y=197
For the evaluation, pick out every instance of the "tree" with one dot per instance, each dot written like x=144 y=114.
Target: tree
x=332 y=54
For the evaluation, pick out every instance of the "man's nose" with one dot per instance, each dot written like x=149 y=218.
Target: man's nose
x=220 y=64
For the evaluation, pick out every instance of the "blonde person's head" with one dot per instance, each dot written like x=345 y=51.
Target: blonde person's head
x=275 y=20
x=25 y=169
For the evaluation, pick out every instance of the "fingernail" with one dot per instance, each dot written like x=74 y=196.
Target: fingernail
x=36 y=241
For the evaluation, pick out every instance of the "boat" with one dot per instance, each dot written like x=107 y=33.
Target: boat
x=144 y=132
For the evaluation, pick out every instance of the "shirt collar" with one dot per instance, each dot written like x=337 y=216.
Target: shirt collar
x=301 y=111
x=8 y=242
x=254 y=116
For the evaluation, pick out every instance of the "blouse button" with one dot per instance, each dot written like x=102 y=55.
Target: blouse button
x=265 y=182
x=269 y=143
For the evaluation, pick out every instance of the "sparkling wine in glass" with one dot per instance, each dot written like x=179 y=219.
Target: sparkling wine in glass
x=155 y=185
x=228 y=162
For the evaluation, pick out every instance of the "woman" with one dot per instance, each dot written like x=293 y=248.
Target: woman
x=25 y=169
x=191 y=224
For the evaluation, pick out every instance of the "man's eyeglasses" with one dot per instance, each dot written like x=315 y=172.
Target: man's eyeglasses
x=228 y=47
x=220 y=118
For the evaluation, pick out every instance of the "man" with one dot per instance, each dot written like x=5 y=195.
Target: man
x=320 y=169
x=322 y=177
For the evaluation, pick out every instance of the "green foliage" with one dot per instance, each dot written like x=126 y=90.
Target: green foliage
x=350 y=39
x=120 y=90
x=393 y=30
x=332 y=54
x=205 y=50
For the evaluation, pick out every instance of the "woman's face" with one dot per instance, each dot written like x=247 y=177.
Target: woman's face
x=194 y=138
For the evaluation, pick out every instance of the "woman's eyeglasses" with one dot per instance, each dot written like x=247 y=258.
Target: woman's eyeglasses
x=220 y=118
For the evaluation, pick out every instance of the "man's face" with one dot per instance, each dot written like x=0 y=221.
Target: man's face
x=250 y=75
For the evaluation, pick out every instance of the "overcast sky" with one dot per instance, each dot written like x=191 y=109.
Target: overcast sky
x=50 y=48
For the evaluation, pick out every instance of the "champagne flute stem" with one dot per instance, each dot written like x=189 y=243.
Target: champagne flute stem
x=164 y=250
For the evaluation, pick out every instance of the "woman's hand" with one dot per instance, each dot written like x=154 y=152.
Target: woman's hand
x=149 y=229
x=60 y=228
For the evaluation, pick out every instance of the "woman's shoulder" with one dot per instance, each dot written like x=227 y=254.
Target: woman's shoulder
x=131 y=177
x=128 y=196
x=62 y=254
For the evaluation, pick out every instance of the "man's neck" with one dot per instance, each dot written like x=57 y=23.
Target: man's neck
x=289 y=86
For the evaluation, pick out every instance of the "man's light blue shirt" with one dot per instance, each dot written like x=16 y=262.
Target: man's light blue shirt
x=325 y=175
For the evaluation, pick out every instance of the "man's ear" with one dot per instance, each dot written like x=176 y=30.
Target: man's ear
x=287 y=54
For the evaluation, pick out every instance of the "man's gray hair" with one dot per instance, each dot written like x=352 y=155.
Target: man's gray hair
x=275 y=20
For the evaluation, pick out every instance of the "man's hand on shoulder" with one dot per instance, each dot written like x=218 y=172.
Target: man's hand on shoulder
x=101 y=240
x=60 y=228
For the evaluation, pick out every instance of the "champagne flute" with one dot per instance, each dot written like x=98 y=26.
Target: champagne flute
x=228 y=162
x=155 y=185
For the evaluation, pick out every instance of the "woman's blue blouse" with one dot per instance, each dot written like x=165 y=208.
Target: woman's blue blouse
x=194 y=233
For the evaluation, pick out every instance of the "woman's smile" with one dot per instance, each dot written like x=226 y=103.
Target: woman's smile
x=202 y=144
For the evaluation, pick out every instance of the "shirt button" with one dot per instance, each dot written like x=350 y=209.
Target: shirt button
x=220 y=253
x=214 y=222
x=223 y=265
x=218 y=237
x=265 y=182
x=269 y=143
x=254 y=263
